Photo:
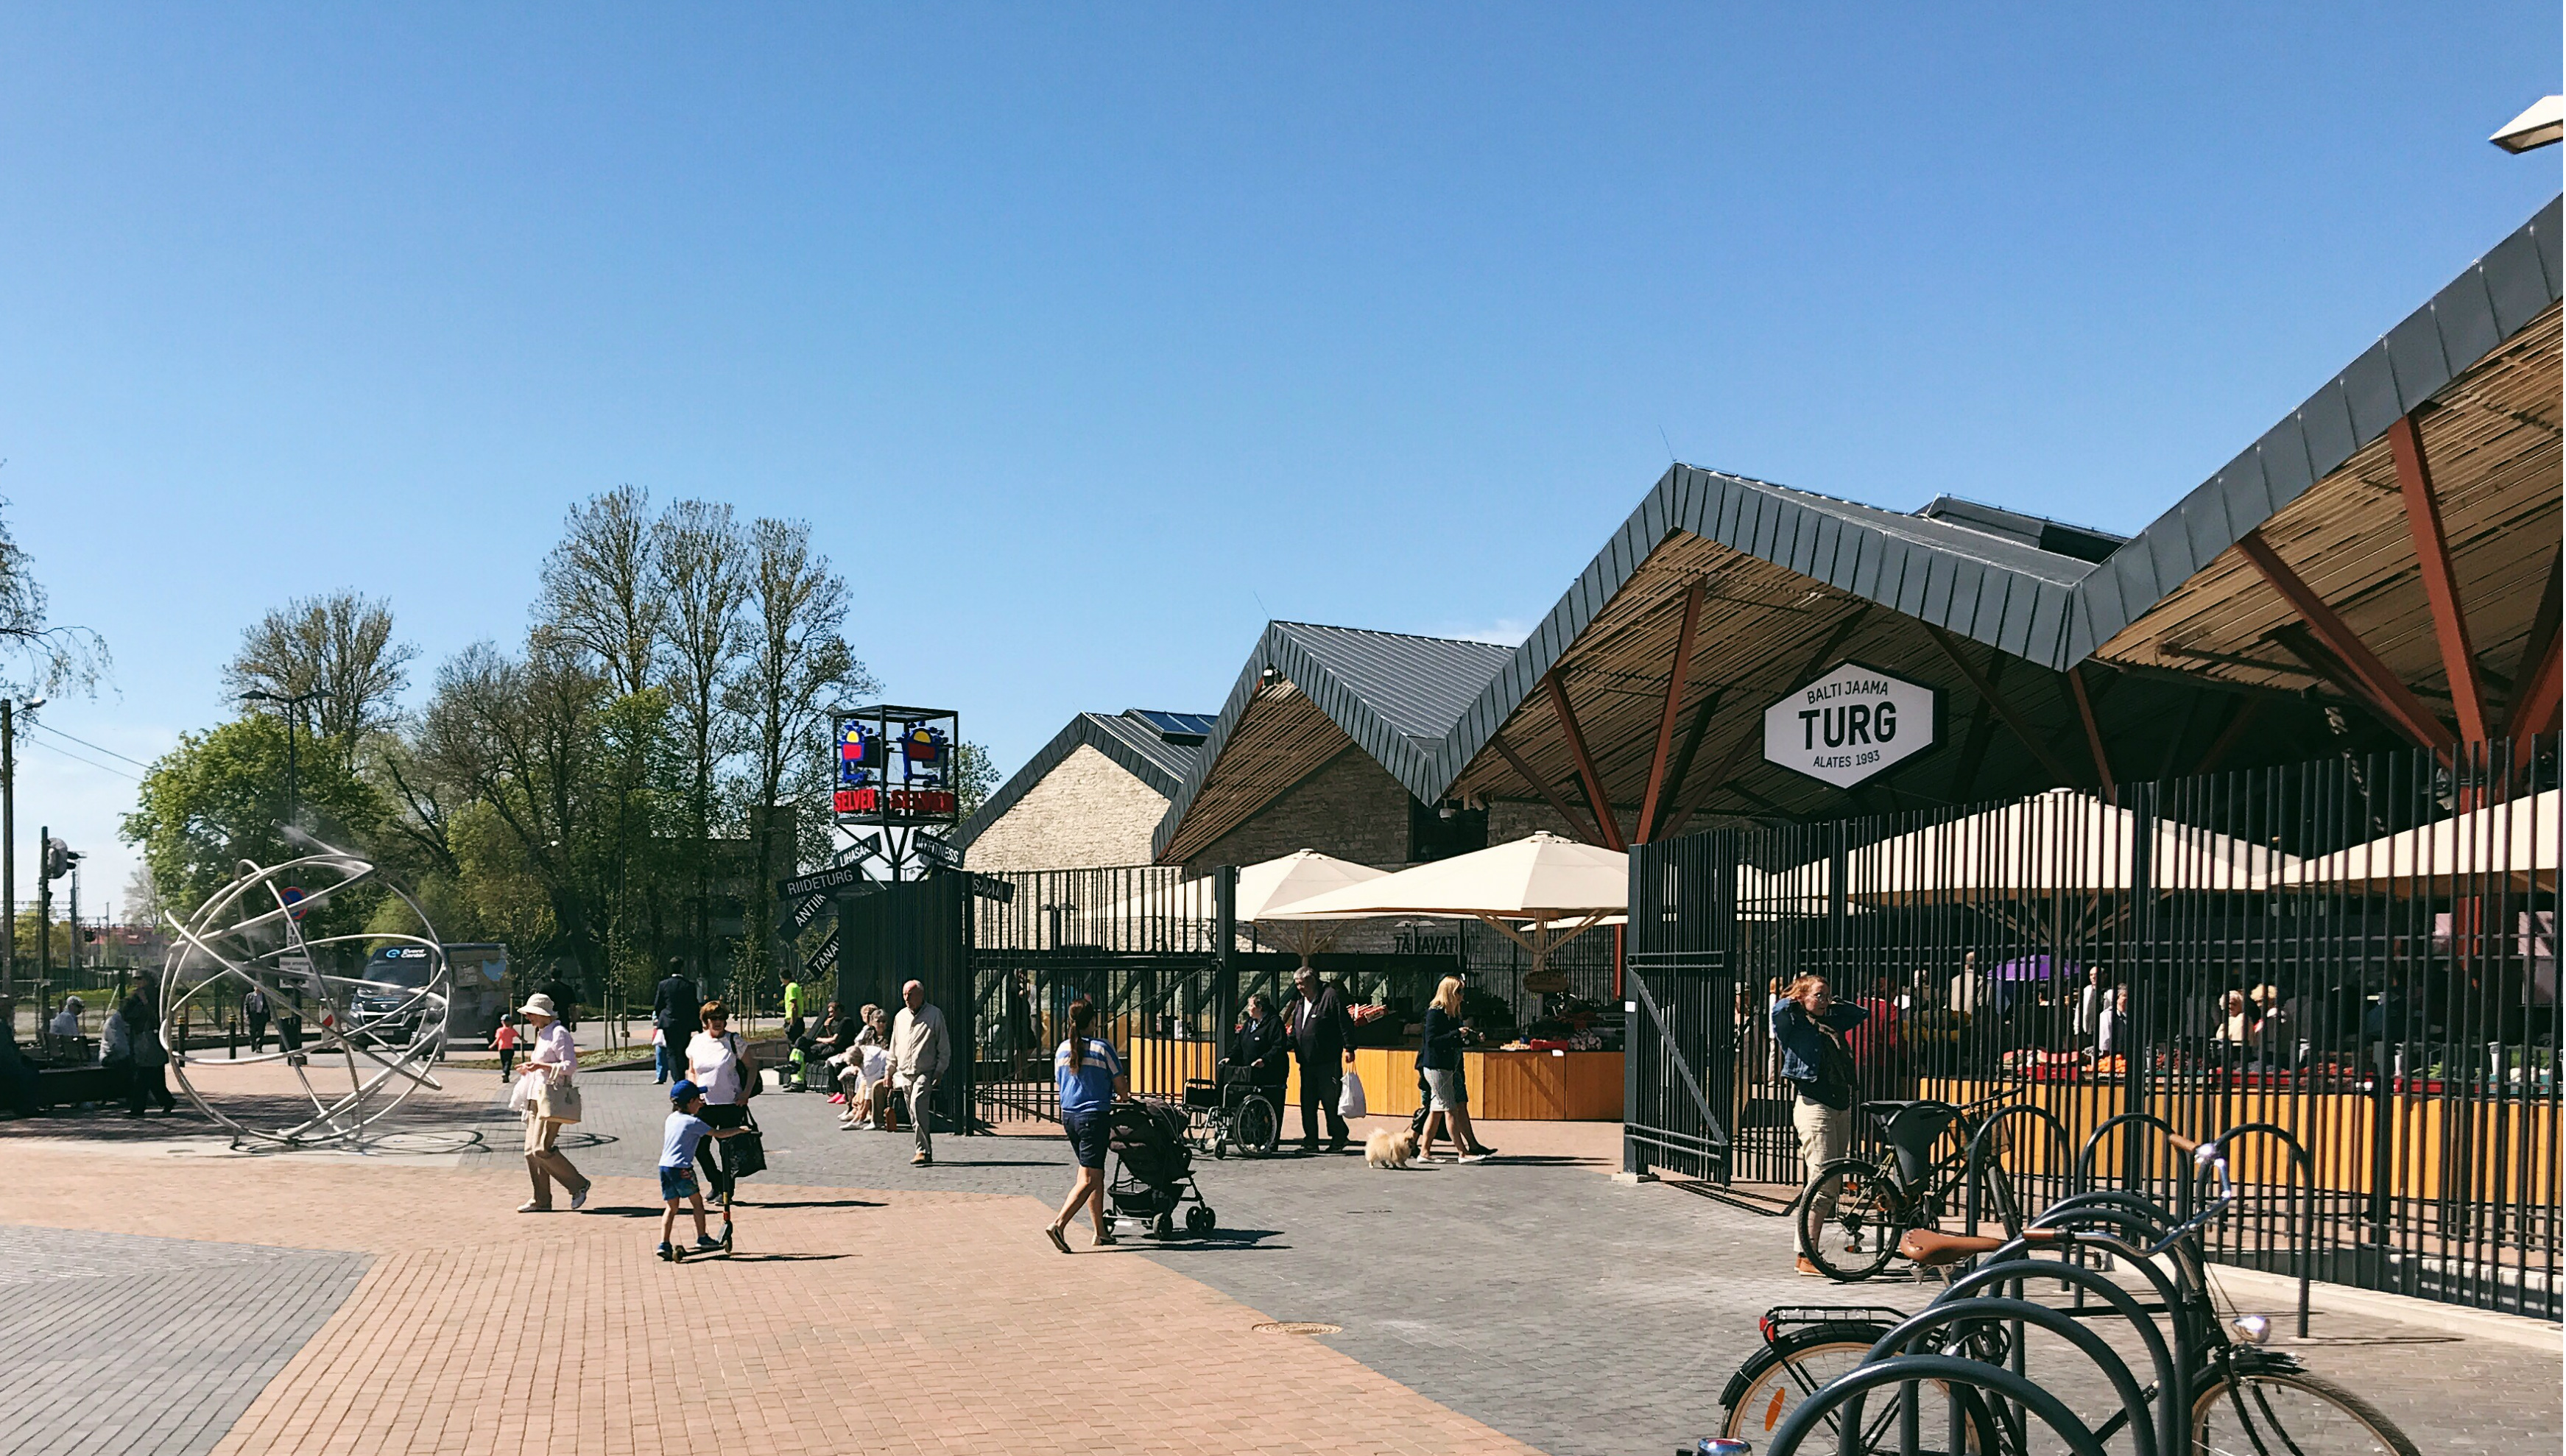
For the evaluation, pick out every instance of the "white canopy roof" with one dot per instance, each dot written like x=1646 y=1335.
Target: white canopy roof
x=2062 y=842
x=2516 y=840
x=1540 y=877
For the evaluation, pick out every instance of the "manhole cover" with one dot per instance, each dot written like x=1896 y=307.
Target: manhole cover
x=1299 y=1327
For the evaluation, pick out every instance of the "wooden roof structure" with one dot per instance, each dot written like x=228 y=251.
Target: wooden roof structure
x=2381 y=566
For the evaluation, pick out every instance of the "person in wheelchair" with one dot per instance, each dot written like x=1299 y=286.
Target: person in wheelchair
x=1260 y=1054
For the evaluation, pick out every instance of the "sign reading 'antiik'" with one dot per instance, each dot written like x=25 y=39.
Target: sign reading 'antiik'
x=1851 y=723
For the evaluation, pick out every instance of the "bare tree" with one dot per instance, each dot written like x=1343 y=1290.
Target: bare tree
x=600 y=586
x=341 y=644
x=48 y=659
x=701 y=573
x=797 y=665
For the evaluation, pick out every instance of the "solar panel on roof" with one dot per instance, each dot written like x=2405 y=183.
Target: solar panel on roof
x=1196 y=726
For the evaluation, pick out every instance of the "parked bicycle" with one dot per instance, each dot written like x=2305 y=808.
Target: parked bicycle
x=2217 y=1391
x=1855 y=1209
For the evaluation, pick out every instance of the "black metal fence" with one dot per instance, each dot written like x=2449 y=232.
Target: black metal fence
x=2360 y=953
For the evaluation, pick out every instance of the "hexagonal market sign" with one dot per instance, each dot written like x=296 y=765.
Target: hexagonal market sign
x=1852 y=723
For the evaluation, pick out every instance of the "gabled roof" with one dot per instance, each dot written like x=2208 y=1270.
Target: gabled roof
x=1158 y=759
x=2465 y=324
x=1969 y=582
x=1392 y=694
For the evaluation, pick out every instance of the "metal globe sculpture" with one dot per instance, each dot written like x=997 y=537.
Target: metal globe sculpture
x=360 y=1015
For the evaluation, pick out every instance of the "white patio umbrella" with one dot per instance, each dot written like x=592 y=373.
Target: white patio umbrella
x=1554 y=890
x=2516 y=841
x=1262 y=889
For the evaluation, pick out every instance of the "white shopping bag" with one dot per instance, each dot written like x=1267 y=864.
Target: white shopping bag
x=1350 y=1103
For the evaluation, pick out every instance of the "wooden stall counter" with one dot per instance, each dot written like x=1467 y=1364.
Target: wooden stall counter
x=1505 y=1087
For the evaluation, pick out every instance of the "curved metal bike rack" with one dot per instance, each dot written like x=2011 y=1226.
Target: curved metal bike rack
x=2172 y=1365
x=1977 y=1155
x=2017 y=1314
x=2303 y=1208
x=1948 y=1370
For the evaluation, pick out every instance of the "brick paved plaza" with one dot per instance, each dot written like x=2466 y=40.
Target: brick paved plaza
x=169 y=1295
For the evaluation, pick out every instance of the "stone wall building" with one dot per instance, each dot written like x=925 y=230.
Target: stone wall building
x=1090 y=799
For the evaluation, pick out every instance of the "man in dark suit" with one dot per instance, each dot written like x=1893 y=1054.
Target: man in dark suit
x=1322 y=1033
x=677 y=1011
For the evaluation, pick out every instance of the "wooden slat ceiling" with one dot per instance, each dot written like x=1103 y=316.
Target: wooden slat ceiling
x=1761 y=625
x=1281 y=739
x=2491 y=449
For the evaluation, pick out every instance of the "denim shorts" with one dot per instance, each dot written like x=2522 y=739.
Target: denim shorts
x=1088 y=1135
x=676 y=1185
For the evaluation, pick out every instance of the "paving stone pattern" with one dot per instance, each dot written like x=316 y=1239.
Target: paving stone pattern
x=1573 y=1313
x=120 y=1346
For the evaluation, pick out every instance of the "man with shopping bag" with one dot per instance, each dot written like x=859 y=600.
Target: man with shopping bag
x=1322 y=1033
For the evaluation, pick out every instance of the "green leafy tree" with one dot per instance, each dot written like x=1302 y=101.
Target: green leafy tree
x=216 y=799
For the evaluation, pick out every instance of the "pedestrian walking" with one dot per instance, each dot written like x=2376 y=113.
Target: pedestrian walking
x=920 y=1052
x=676 y=1016
x=1089 y=1075
x=1438 y=1058
x=115 y=1053
x=1322 y=1033
x=255 y=1014
x=681 y=1136
x=1809 y=1027
x=718 y=1063
x=505 y=1039
x=546 y=1088
x=150 y=1083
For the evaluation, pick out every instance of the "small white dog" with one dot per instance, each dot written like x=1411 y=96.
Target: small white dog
x=1390 y=1148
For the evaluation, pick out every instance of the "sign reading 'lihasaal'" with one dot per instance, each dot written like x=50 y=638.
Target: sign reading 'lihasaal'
x=1851 y=723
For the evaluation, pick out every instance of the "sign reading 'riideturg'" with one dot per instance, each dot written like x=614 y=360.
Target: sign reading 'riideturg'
x=1851 y=723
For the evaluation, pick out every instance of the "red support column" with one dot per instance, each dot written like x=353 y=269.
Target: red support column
x=2441 y=588
x=2392 y=695
x=1595 y=797
x=1675 y=699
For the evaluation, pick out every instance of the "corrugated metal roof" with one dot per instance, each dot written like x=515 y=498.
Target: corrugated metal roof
x=1172 y=759
x=2466 y=323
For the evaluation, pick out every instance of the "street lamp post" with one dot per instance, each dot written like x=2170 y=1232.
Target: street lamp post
x=9 y=854
x=288 y=706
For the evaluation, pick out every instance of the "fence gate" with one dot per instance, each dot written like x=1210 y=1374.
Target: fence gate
x=2357 y=954
x=916 y=930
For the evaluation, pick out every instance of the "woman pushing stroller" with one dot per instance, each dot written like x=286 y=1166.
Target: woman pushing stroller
x=1088 y=1075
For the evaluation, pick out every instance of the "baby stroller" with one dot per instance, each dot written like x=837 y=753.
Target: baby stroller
x=1231 y=1112
x=1155 y=1167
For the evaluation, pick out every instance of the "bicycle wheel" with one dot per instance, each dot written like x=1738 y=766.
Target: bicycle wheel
x=2289 y=1411
x=1776 y=1379
x=1849 y=1220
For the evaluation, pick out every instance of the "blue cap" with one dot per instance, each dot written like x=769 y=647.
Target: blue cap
x=685 y=1092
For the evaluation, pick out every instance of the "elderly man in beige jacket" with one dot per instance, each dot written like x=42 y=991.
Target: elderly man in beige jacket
x=920 y=1052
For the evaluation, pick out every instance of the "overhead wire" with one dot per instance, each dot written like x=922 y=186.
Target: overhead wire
x=89 y=762
x=85 y=743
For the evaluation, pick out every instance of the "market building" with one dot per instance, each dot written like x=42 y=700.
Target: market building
x=1091 y=796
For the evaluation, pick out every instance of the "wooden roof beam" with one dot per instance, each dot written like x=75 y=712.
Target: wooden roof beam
x=1575 y=823
x=1596 y=799
x=2093 y=735
x=2441 y=587
x=1987 y=694
x=1755 y=726
x=2384 y=686
x=2237 y=719
x=2532 y=709
x=1676 y=675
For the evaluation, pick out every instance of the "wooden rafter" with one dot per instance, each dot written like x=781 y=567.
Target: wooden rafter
x=1558 y=801
x=2093 y=735
x=1755 y=726
x=2535 y=681
x=2237 y=719
x=2441 y=585
x=1986 y=692
x=1684 y=756
x=1675 y=673
x=1596 y=799
x=2385 y=688
x=2295 y=639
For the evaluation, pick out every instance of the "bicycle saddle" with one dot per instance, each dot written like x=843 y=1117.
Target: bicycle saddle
x=1933 y=1249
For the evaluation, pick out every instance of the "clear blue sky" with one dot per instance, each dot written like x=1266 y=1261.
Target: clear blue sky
x=1089 y=340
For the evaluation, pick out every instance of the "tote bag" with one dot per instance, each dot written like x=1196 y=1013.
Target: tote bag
x=556 y=1101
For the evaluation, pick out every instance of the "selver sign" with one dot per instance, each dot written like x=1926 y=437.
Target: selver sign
x=1851 y=723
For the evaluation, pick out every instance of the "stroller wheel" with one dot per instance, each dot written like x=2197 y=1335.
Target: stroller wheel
x=1200 y=1219
x=1163 y=1225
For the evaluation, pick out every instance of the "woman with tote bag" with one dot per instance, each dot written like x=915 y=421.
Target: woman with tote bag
x=548 y=1097
x=719 y=1062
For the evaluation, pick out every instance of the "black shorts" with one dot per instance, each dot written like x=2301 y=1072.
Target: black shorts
x=1089 y=1134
